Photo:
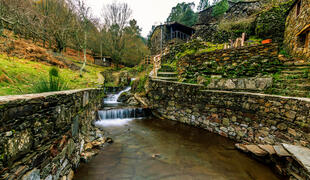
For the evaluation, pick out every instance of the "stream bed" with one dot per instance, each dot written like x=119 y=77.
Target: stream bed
x=151 y=149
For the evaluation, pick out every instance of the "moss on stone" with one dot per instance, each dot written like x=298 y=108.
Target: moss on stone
x=271 y=23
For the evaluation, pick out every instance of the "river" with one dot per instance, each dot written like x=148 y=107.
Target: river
x=152 y=148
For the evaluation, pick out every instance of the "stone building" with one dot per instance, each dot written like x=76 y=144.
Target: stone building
x=169 y=33
x=297 y=31
x=103 y=61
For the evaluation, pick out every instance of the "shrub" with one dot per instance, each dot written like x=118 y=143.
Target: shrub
x=141 y=84
x=237 y=27
x=53 y=83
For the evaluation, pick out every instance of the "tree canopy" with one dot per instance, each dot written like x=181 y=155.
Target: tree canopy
x=183 y=13
x=220 y=7
x=60 y=24
x=203 y=4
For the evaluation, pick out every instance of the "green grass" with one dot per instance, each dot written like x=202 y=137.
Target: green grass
x=18 y=76
x=53 y=83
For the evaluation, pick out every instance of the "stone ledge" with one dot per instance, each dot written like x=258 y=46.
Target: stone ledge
x=257 y=94
x=181 y=83
x=26 y=97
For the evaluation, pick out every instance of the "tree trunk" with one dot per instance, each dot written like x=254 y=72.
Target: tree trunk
x=101 y=51
x=84 y=64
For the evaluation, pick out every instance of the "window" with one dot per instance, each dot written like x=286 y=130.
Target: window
x=307 y=40
x=301 y=40
x=298 y=8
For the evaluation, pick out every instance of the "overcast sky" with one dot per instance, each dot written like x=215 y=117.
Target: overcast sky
x=146 y=12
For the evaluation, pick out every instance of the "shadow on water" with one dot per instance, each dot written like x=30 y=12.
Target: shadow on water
x=152 y=148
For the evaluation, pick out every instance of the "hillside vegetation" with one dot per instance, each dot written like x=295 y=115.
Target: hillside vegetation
x=18 y=76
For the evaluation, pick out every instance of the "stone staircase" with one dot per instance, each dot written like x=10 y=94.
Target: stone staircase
x=294 y=79
x=166 y=73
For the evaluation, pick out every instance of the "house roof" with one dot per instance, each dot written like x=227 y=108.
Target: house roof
x=173 y=24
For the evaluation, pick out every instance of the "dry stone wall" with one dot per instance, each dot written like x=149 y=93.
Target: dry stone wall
x=248 y=84
x=294 y=25
x=244 y=117
x=248 y=61
x=42 y=136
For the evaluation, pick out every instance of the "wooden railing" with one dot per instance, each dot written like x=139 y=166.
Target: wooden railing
x=147 y=60
x=156 y=64
x=235 y=44
x=155 y=61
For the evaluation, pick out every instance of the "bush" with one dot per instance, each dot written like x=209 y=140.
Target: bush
x=237 y=27
x=53 y=83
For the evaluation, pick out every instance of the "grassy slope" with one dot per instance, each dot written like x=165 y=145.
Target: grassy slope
x=23 y=74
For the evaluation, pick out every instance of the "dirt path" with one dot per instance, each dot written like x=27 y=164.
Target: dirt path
x=100 y=78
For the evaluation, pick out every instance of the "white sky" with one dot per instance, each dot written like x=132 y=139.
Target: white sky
x=146 y=12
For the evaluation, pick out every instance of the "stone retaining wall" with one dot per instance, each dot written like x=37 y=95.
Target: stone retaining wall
x=42 y=136
x=248 y=84
x=249 y=61
x=244 y=117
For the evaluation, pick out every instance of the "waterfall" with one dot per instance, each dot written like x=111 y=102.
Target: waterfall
x=118 y=117
x=121 y=113
x=112 y=99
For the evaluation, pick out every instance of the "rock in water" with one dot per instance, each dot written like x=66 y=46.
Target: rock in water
x=32 y=175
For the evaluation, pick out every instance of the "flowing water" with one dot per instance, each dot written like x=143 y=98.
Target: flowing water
x=112 y=98
x=118 y=117
x=152 y=148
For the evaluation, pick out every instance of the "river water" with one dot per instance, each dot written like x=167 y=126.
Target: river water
x=147 y=149
x=152 y=148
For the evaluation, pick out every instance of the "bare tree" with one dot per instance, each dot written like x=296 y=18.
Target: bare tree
x=84 y=15
x=116 y=16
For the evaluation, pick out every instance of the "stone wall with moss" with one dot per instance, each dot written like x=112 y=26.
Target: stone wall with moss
x=270 y=23
x=43 y=136
x=243 y=117
x=260 y=19
x=294 y=25
x=248 y=61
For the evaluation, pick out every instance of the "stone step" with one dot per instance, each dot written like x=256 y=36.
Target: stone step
x=303 y=87
x=166 y=68
x=293 y=72
x=293 y=76
x=285 y=153
x=167 y=74
x=165 y=78
x=294 y=81
x=300 y=154
x=298 y=63
x=296 y=67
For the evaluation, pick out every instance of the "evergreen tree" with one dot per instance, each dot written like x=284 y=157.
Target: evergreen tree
x=220 y=8
x=203 y=4
x=183 y=13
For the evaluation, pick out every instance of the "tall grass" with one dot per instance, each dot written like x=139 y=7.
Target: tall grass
x=53 y=83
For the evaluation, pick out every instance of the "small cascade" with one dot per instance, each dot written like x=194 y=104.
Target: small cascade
x=112 y=99
x=121 y=113
x=118 y=117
